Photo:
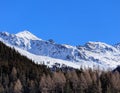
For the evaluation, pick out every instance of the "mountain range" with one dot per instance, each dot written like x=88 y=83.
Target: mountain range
x=92 y=54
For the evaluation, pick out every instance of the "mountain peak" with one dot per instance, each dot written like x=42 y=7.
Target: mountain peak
x=27 y=35
x=4 y=33
x=26 y=32
x=97 y=44
x=100 y=46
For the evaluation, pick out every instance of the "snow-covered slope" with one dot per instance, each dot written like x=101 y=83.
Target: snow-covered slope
x=27 y=35
x=90 y=55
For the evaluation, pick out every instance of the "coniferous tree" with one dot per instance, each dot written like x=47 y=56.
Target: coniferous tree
x=17 y=88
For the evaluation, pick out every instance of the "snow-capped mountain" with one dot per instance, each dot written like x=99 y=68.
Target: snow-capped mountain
x=89 y=55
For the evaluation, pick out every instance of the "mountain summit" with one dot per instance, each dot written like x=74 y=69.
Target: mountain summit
x=92 y=54
x=26 y=34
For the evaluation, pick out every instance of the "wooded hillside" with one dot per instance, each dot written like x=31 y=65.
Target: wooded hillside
x=20 y=75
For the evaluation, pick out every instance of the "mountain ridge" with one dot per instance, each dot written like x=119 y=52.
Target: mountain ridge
x=95 y=53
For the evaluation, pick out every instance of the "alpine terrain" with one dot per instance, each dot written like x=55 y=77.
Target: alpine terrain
x=92 y=54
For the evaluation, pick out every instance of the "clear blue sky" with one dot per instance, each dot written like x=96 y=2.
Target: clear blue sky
x=66 y=21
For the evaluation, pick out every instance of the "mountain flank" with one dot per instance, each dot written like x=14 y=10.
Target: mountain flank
x=90 y=55
x=20 y=75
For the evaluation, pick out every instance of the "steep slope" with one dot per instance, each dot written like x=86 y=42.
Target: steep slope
x=18 y=73
x=9 y=58
x=91 y=54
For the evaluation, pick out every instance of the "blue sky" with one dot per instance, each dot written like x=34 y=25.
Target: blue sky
x=66 y=21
